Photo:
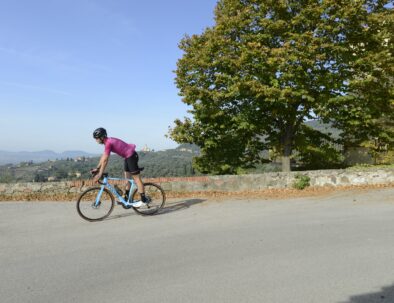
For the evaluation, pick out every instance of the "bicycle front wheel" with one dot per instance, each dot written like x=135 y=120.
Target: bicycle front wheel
x=87 y=208
x=156 y=199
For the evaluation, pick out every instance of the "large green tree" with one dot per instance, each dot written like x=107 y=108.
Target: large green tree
x=267 y=66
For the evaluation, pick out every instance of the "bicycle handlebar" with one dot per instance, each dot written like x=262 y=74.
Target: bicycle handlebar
x=94 y=172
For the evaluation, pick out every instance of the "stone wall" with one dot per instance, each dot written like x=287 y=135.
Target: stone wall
x=230 y=183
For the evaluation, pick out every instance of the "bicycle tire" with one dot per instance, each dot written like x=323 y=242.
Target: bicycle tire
x=157 y=198
x=86 y=208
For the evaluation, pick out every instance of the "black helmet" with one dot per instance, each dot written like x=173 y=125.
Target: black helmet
x=100 y=133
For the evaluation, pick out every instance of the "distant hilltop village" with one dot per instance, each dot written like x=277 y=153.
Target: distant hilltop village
x=147 y=149
x=189 y=148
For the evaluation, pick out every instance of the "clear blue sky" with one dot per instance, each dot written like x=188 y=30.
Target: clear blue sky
x=70 y=66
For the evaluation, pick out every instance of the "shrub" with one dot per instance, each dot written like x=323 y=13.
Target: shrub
x=301 y=181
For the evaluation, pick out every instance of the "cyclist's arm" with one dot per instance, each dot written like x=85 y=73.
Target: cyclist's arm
x=103 y=163
x=101 y=166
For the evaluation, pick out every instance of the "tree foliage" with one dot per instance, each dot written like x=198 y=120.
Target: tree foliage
x=267 y=66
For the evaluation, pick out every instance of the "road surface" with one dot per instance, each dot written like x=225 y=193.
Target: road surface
x=333 y=248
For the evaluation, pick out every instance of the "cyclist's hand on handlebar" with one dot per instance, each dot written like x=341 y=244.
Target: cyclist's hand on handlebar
x=95 y=174
x=97 y=177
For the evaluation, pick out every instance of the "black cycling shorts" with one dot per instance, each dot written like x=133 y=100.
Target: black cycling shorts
x=131 y=164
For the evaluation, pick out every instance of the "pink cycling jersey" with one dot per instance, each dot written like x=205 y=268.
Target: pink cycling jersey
x=119 y=147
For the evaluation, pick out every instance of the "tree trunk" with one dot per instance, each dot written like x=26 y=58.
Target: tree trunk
x=286 y=164
x=287 y=148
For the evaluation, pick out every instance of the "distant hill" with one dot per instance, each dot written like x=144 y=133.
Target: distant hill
x=75 y=166
x=324 y=128
x=7 y=157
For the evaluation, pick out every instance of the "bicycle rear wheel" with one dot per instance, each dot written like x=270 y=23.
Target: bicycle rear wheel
x=86 y=204
x=156 y=199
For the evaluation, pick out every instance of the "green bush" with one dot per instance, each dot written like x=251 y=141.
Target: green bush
x=301 y=181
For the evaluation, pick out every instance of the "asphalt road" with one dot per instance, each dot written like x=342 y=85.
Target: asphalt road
x=336 y=248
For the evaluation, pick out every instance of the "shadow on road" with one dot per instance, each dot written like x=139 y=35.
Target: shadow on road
x=168 y=208
x=385 y=295
x=179 y=205
x=128 y=214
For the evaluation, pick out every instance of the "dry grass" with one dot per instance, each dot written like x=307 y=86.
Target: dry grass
x=260 y=194
x=279 y=193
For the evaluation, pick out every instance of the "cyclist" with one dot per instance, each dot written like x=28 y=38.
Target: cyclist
x=126 y=151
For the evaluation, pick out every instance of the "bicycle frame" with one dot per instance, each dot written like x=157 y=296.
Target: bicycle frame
x=105 y=184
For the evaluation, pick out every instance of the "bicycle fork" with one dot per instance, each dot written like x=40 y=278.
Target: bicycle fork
x=96 y=204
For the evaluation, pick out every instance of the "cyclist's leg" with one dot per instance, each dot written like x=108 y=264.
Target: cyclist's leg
x=138 y=181
x=132 y=170
x=127 y=175
x=130 y=166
